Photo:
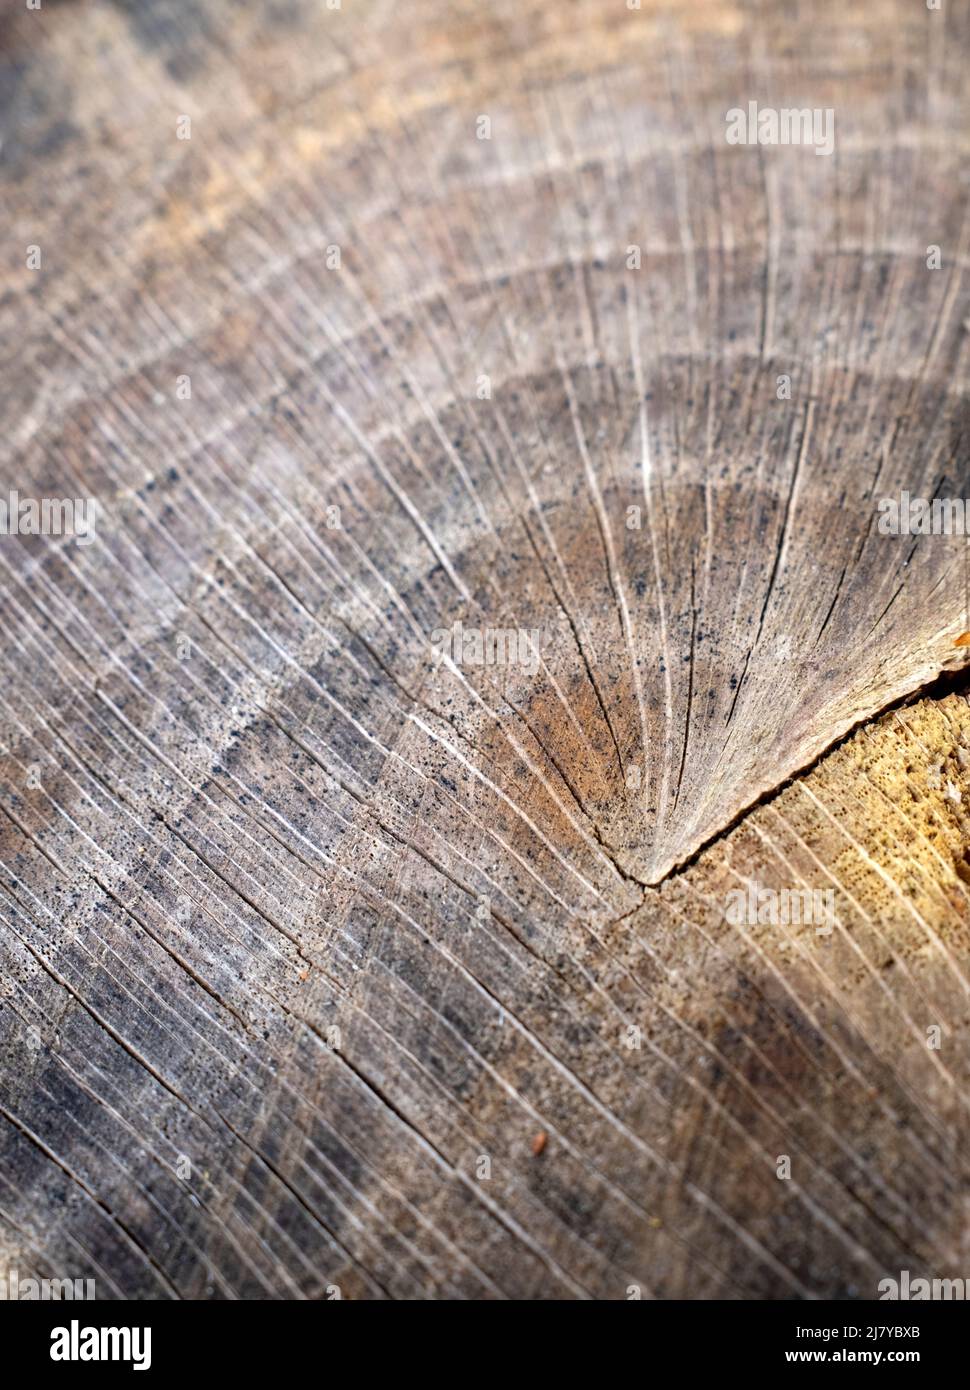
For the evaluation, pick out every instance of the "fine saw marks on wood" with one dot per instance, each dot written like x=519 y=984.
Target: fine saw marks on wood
x=487 y=459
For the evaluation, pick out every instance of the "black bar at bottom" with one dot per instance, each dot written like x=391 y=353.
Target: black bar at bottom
x=110 y=1338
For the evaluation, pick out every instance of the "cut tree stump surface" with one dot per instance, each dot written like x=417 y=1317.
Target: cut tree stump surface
x=334 y=959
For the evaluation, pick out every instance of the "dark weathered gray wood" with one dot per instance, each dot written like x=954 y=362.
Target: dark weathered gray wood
x=303 y=930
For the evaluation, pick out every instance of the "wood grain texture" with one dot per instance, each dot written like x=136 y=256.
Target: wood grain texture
x=303 y=929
